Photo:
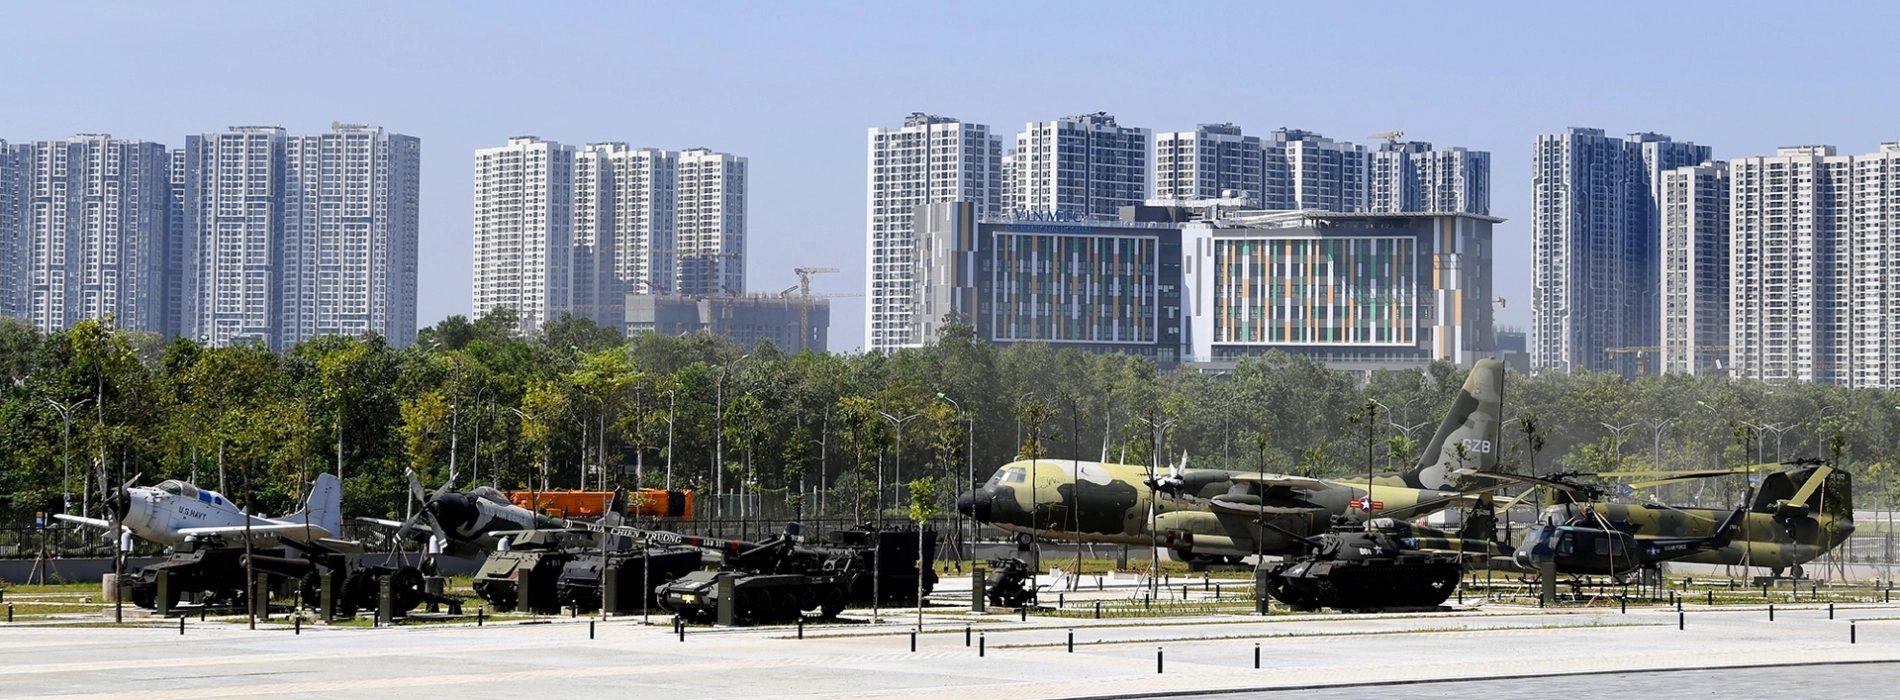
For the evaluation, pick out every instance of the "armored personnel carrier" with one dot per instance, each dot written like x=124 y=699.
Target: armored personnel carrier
x=1355 y=568
x=579 y=585
x=535 y=559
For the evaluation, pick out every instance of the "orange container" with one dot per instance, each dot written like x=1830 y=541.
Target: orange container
x=643 y=503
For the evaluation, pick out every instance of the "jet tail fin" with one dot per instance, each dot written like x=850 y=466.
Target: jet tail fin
x=1468 y=438
x=324 y=509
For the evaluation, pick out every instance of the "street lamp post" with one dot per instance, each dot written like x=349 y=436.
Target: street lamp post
x=896 y=471
x=534 y=494
x=66 y=451
x=1658 y=426
x=969 y=453
x=1618 y=431
x=1154 y=496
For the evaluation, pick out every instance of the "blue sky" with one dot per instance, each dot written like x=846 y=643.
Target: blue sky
x=793 y=86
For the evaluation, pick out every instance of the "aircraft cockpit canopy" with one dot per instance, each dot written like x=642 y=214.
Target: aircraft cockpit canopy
x=489 y=494
x=1010 y=475
x=178 y=488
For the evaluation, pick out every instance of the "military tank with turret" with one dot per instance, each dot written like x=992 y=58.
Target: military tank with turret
x=1353 y=567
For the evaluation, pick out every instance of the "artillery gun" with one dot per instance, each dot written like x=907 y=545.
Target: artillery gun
x=534 y=559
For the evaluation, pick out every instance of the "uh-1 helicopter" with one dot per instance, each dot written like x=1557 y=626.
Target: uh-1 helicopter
x=1794 y=516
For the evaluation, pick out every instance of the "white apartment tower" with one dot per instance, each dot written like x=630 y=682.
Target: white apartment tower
x=928 y=159
x=1411 y=177
x=646 y=218
x=1319 y=173
x=1085 y=166
x=1694 y=269
x=524 y=229
x=1793 y=270
x=12 y=233
x=1208 y=162
x=594 y=289
x=351 y=205
x=94 y=213
x=1595 y=233
x=234 y=229
x=712 y=223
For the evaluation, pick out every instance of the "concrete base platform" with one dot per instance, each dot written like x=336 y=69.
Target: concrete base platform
x=1201 y=655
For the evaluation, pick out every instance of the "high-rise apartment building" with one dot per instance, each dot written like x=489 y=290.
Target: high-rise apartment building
x=1084 y=166
x=1319 y=173
x=1411 y=177
x=711 y=232
x=1792 y=265
x=524 y=229
x=94 y=214
x=594 y=290
x=1208 y=162
x=1694 y=269
x=928 y=159
x=12 y=232
x=1595 y=233
x=288 y=238
x=645 y=218
x=351 y=222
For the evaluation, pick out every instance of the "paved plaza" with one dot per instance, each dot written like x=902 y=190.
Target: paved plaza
x=1499 y=646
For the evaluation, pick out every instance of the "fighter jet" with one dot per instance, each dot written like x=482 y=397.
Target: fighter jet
x=175 y=512
x=1207 y=514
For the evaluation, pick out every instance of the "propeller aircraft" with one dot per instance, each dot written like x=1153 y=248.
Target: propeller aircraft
x=175 y=512
x=1208 y=514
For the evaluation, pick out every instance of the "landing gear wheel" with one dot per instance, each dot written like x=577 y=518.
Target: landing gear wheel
x=1797 y=573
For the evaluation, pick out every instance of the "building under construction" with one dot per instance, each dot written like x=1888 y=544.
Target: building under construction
x=747 y=319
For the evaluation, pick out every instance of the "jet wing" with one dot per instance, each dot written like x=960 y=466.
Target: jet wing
x=88 y=522
x=1297 y=483
x=255 y=529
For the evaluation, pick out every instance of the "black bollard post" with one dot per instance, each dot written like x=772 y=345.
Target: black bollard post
x=1023 y=613
x=979 y=645
x=1680 y=621
x=1098 y=610
x=1157 y=659
x=1256 y=655
x=966 y=635
x=480 y=613
x=1771 y=612
x=801 y=626
x=10 y=614
x=1071 y=641
x=1678 y=605
x=1830 y=611
x=1853 y=635
x=296 y=625
x=1061 y=600
x=201 y=611
x=1626 y=605
x=913 y=642
x=590 y=629
x=1711 y=597
x=181 y=623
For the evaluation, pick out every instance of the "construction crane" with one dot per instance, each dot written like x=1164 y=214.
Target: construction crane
x=804 y=304
x=1389 y=136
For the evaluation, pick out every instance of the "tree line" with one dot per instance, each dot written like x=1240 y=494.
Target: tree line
x=575 y=405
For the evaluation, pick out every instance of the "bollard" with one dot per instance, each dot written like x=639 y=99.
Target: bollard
x=1157 y=659
x=1098 y=610
x=1256 y=655
x=1217 y=591
x=1711 y=597
x=1023 y=612
x=801 y=626
x=913 y=642
x=1071 y=641
x=1678 y=605
x=10 y=613
x=1061 y=600
x=1146 y=601
x=979 y=645
x=1830 y=611
x=1771 y=612
x=1626 y=605
x=181 y=625
x=480 y=612
x=201 y=610
x=682 y=629
x=296 y=625
x=1680 y=621
x=966 y=635
x=1853 y=635
x=590 y=629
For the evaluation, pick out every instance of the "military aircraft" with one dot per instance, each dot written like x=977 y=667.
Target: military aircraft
x=1795 y=516
x=1206 y=514
x=464 y=524
x=175 y=512
x=1588 y=545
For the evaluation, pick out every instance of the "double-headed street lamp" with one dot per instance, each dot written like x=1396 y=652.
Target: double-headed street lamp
x=1619 y=439
x=969 y=453
x=66 y=451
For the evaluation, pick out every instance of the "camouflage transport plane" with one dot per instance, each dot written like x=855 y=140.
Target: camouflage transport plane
x=1206 y=514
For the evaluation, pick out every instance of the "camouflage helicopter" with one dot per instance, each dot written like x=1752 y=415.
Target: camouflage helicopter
x=1204 y=515
x=1794 y=516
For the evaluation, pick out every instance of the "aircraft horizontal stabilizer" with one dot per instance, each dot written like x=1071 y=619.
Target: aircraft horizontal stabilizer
x=1298 y=483
x=256 y=529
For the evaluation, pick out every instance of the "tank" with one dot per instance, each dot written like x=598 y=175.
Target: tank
x=1359 y=569
x=216 y=573
x=774 y=580
x=579 y=584
x=1010 y=583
